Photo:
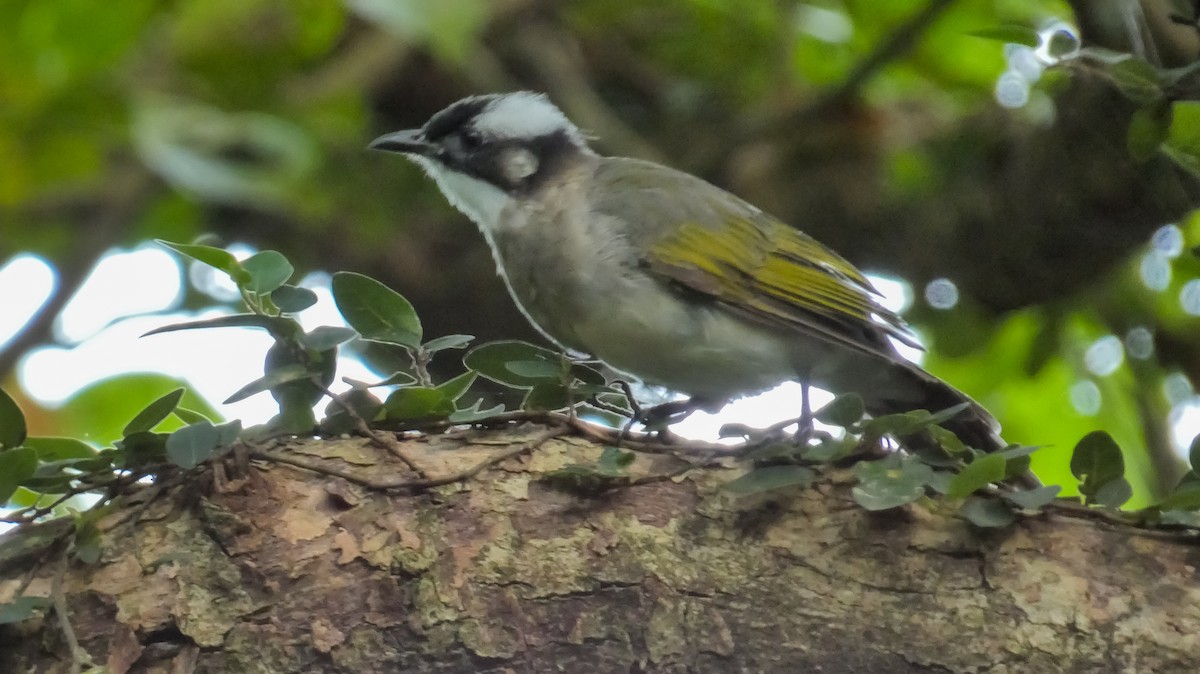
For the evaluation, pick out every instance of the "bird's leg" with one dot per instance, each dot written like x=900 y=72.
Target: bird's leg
x=804 y=431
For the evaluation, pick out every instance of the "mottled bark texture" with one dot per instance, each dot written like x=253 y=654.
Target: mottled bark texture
x=284 y=570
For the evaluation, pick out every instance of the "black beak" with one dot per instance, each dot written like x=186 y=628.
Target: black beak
x=411 y=141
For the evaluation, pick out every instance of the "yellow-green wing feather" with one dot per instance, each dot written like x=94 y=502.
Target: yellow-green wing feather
x=709 y=241
x=777 y=274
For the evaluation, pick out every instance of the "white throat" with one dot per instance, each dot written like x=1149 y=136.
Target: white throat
x=477 y=199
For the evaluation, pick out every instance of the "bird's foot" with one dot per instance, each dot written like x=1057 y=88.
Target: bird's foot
x=657 y=420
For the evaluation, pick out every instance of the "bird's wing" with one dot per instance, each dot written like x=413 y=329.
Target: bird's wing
x=705 y=240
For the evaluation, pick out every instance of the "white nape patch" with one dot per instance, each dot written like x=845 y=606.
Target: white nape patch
x=479 y=200
x=518 y=164
x=524 y=114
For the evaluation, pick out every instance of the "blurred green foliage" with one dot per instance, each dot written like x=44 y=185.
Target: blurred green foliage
x=872 y=125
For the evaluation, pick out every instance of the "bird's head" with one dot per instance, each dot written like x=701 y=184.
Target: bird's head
x=511 y=142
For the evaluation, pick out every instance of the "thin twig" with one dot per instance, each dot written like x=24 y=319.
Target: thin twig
x=421 y=359
x=79 y=657
x=385 y=442
x=33 y=513
x=635 y=408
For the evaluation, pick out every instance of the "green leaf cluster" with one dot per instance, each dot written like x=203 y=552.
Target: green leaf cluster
x=930 y=459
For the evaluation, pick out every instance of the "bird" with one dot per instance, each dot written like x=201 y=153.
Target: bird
x=664 y=276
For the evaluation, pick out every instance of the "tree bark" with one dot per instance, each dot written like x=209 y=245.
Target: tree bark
x=282 y=569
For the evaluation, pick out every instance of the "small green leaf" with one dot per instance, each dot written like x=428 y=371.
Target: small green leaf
x=1185 y=497
x=908 y=423
x=474 y=413
x=140 y=449
x=58 y=449
x=1012 y=33
x=24 y=498
x=228 y=432
x=941 y=480
x=988 y=513
x=454 y=388
x=377 y=312
x=16 y=466
x=1139 y=81
x=1114 y=493
x=12 y=423
x=272 y=379
x=830 y=449
x=189 y=416
x=326 y=337
x=1017 y=458
x=582 y=391
x=1104 y=56
x=213 y=257
x=935 y=454
x=890 y=482
x=548 y=396
x=396 y=379
x=771 y=478
x=613 y=461
x=1096 y=461
x=273 y=324
x=976 y=475
x=589 y=375
x=947 y=440
x=615 y=399
x=535 y=369
x=417 y=403
x=1184 y=518
x=190 y=445
x=1034 y=499
x=491 y=360
x=1183 y=138
x=447 y=342
x=947 y=414
x=154 y=413
x=268 y=271
x=293 y=299
x=21 y=609
x=844 y=410
x=69 y=469
x=338 y=421
x=1148 y=129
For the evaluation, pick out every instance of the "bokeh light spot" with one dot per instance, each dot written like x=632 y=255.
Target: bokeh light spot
x=1168 y=240
x=1086 y=398
x=1155 y=270
x=1139 y=343
x=941 y=293
x=1189 y=297
x=1104 y=356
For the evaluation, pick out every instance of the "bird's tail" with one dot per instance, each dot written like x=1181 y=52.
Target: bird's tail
x=974 y=425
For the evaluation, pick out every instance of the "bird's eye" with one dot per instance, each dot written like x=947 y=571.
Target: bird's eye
x=471 y=140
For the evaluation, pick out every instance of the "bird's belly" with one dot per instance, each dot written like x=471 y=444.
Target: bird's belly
x=697 y=350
